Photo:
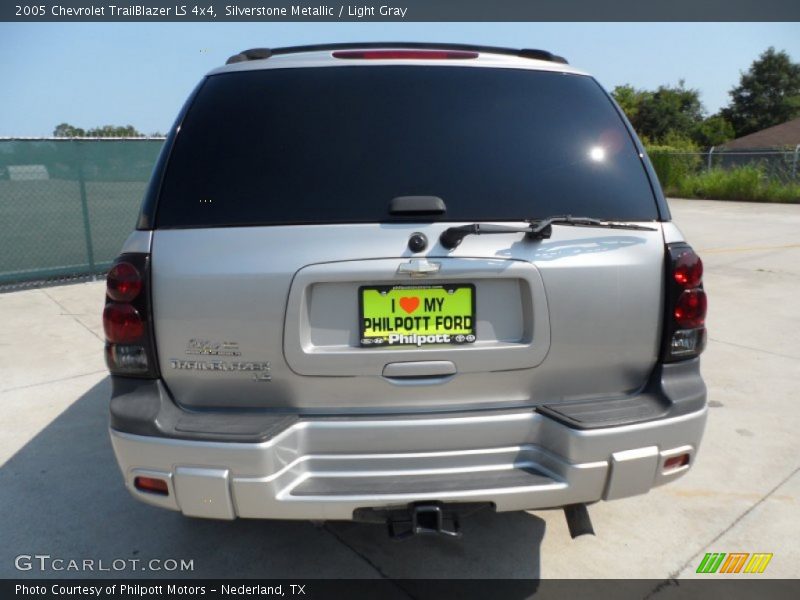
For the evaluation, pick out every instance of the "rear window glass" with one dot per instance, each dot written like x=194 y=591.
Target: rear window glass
x=336 y=144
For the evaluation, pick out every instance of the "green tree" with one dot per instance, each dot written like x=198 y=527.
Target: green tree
x=629 y=100
x=67 y=130
x=669 y=110
x=114 y=131
x=768 y=94
x=680 y=141
x=713 y=131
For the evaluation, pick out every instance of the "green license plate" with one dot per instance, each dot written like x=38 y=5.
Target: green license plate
x=416 y=315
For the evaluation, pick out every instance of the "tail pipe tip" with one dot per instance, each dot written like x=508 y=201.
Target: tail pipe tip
x=578 y=520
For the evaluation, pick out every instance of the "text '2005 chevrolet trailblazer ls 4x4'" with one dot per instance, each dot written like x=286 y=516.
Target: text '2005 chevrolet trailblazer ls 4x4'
x=400 y=282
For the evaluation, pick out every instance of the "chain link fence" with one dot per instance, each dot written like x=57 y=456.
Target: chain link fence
x=778 y=164
x=67 y=205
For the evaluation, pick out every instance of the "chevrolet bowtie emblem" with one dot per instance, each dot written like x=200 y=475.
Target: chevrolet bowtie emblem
x=419 y=267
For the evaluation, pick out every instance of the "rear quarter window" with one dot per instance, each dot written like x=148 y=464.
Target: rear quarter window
x=336 y=144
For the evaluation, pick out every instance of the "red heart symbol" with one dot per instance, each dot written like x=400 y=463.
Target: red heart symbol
x=409 y=304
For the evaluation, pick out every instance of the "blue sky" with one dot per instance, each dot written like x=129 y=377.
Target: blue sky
x=91 y=74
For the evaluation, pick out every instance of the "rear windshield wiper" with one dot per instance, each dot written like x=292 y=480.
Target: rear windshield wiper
x=537 y=230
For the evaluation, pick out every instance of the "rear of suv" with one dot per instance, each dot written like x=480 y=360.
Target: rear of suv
x=399 y=282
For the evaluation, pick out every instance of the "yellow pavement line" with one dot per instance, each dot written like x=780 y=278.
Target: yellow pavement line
x=747 y=249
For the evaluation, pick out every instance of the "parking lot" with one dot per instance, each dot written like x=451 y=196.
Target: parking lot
x=61 y=493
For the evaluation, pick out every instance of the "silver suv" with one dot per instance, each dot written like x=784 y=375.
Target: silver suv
x=398 y=283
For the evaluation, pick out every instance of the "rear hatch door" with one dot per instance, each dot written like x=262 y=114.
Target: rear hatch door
x=276 y=259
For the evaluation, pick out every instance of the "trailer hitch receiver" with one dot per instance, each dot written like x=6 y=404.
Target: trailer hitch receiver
x=425 y=519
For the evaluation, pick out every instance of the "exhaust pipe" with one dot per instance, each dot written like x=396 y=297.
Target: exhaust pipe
x=578 y=520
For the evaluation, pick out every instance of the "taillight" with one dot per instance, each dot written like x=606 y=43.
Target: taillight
x=685 y=310
x=688 y=269
x=124 y=282
x=122 y=323
x=130 y=350
x=405 y=54
x=690 y=309
x=127 y=360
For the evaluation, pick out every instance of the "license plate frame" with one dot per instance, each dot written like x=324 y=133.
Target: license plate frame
x=377 y=300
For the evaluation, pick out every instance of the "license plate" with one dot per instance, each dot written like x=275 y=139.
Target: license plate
x=410 y=315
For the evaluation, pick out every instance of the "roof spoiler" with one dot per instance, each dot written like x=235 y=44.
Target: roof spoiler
x=264 y=53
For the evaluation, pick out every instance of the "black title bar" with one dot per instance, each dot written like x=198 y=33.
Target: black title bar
x=400 y=10
x=400 y=589
x=294 y=589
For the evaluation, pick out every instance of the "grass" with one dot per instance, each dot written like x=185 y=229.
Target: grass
x=673 y=166
x=746 y=183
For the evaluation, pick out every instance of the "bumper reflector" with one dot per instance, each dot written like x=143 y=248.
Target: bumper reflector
x=676 y=462
x=151 y=485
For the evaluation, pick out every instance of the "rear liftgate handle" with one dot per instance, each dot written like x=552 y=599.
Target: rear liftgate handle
x=425 y=371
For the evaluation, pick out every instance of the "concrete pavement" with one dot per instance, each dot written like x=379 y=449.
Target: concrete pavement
x=61 y=493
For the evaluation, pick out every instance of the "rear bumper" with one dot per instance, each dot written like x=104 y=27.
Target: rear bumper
x=326 y=468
